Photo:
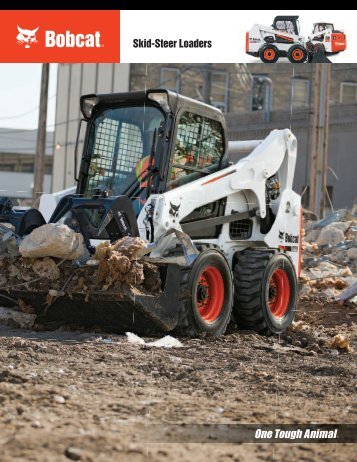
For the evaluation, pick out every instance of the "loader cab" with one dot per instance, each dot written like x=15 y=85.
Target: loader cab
x=287 y=24
x=140 y=143
x=198 y=146
x=320 y=27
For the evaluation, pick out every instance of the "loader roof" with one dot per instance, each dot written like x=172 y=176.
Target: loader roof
x=286 y=18
x=175 y=102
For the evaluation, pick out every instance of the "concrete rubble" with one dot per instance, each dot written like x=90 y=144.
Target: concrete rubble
x=16 y=319
x=53 y=240
x=329 y=252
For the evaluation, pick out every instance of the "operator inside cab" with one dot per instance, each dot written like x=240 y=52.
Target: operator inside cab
x=198 y=149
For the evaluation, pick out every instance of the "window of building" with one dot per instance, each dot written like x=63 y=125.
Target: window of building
x=219 y=90
x=7 y=167
x=198 y=149
x=348 y=93
x=261 y=94
x=300 y=92
x=27 y=167
x=48 y=169
x=170 y=78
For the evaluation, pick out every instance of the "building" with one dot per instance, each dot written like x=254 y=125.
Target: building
x=73 y=81
x=17 y=159
x=247 y=88
x=256 y=99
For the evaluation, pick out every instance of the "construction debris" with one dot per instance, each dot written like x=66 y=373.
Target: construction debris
x=340 y=342
x=348 y=294
x=165 y=342
x=53 y=240
x=331 y=235
x=117 y=266
x=16 y=319
x=46 y=268
x=329 y=255
x=8 y=241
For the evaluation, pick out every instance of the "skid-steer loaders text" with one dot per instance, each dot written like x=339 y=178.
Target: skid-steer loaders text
x=225 y=236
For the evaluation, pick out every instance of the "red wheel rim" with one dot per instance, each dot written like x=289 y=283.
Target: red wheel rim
x=210 y=294
x=297 y=54
x=269 y=54
x=279 y=293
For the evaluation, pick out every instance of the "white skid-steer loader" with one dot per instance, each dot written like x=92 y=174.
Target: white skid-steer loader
x=226 y=236
x=283 y=39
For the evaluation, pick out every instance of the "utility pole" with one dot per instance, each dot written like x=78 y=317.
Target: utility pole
x=207 y=84
x=41 y=134
x=319 y=138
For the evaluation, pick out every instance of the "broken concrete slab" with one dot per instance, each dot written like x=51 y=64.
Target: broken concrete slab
x=312 y=235
x=12 y=318
x=330 y=235
x=53 y=240
x=340 y=215
x=9 y=242
x=341 y=225
x=352 y=253
x=349 y=293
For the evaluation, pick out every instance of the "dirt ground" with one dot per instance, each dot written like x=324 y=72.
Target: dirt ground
x=74 y=395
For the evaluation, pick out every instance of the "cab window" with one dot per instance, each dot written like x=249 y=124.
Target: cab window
x=198 y=149
x=285 y=26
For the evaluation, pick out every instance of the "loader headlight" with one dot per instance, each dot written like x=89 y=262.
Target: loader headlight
x=87 y=105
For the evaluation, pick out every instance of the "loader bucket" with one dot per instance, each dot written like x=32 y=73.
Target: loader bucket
x=318 y=55
x=113 y=311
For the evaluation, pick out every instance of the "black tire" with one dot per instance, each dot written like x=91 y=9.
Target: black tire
x=297 y=54
x=212 y=267
x=269 y=53
x=255 y=274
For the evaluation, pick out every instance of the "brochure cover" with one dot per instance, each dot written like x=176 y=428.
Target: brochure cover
x=178 y=235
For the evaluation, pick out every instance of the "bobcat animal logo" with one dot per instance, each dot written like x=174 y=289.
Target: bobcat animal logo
x=26 y=37
x=174 y=209
x=281 y=235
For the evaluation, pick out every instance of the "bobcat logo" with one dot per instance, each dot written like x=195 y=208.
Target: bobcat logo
x=281 y=235
x=26 y=37
x=174 y=209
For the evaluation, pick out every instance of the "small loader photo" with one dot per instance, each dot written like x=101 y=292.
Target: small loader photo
x=224 y=237
x=283 y=39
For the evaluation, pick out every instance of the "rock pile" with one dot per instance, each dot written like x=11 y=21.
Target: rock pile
x=329 y=253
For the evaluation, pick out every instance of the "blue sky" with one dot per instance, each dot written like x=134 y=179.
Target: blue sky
x=20 y=95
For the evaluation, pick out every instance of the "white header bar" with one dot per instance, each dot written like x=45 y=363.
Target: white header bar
x=185 y=36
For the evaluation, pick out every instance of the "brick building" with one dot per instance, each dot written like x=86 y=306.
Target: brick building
x=255 y=97
x=247 y=88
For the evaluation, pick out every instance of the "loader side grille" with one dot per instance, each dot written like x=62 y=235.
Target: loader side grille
x=241 y=229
